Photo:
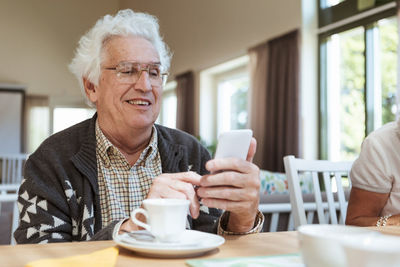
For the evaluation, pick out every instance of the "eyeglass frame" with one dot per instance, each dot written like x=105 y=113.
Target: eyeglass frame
x=162 y=75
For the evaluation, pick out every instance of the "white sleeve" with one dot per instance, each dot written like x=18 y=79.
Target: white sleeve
x=371 y=171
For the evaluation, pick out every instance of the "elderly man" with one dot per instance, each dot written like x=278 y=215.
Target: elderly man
x=83 y=182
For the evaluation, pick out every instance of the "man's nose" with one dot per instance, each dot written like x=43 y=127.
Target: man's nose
x=143 y=82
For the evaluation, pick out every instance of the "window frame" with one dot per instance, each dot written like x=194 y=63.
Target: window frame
x=342 y=11
x=234 y=73
x=336 y=15
x=64 y=106
x=208 y=93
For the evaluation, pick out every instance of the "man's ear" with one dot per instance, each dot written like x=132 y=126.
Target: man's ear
x=90 y=90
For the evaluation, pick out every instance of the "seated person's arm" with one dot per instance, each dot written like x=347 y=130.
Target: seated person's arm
x=44 y=211
x=365 y=207
x=51 y=209
x=372 y=179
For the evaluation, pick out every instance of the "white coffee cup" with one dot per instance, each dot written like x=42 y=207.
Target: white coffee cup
x=166 y=218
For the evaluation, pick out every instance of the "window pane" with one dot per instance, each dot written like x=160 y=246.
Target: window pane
x=232 y=104
x=66 y=117
x=38 y=127
x=388 y=39
x=345 y=94
x=169 y=110
x=167 y=116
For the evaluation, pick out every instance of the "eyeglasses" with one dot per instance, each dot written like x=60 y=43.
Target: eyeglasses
x=129 y=72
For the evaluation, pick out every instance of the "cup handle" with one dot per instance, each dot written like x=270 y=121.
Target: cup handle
x=139 y=223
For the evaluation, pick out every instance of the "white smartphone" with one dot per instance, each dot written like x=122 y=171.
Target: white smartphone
x=234 y=144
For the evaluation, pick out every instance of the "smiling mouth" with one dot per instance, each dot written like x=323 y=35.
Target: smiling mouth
x=139 y=102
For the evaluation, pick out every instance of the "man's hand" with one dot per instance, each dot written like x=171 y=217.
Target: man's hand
x=234 y=186
x=171 y=185
x=177 y=185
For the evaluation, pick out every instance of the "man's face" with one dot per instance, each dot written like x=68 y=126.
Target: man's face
x=122 y=106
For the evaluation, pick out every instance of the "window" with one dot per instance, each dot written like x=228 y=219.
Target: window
x=223 y=99
x=358 y=66
x=38 y=127
x=232 y=103
x=385 y=107
x=345 y=91
x=64 y=117
x=167 y=115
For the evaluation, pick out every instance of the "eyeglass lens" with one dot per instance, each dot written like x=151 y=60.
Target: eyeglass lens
x=129 y=72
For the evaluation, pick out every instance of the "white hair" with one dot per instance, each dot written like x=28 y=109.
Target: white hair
x=88 y=56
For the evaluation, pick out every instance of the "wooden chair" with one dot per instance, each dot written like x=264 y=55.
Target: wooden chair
x=325 y=204
x=12 y=168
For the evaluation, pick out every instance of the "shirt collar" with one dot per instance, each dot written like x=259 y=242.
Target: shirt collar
x=106 y=148
x=103 y=145
x=150 y=152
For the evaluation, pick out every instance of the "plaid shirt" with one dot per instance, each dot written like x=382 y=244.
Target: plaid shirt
x=122 y=188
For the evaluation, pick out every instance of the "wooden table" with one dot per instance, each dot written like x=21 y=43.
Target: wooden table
x=262 y=244
x=235 y=246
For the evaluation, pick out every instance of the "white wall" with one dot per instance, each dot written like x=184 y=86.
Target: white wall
x=208 y=32
x=38 y=39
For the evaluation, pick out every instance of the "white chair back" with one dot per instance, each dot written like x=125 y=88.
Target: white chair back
x=9 y=193
x=275 y=210
x=326 y=210
x=12 y=168
x=11 y=175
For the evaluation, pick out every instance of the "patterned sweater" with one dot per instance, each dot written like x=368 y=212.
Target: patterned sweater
x=59 y=197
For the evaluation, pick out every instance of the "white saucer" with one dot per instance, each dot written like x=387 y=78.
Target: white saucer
x=192 y=243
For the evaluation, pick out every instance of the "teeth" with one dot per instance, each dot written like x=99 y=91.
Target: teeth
x=138 y=102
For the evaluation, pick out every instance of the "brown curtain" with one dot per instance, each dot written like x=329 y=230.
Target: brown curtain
x=258 y=93
x=274 y=116
x=185 y=113
x=36 y=125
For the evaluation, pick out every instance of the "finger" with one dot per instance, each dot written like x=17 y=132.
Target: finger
x=189 y=177
x=176 y=189
x=227 y=178
x=169 y=192
x=223 y=204
x=227 y=193
x=232 y=164
x=252 y=150
x=190 y=194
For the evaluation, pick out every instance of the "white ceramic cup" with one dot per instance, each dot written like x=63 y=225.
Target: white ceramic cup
x=166 y=218
x=371 y=251
x=322 y=244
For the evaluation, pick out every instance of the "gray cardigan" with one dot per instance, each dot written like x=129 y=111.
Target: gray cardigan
x=59 y=197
